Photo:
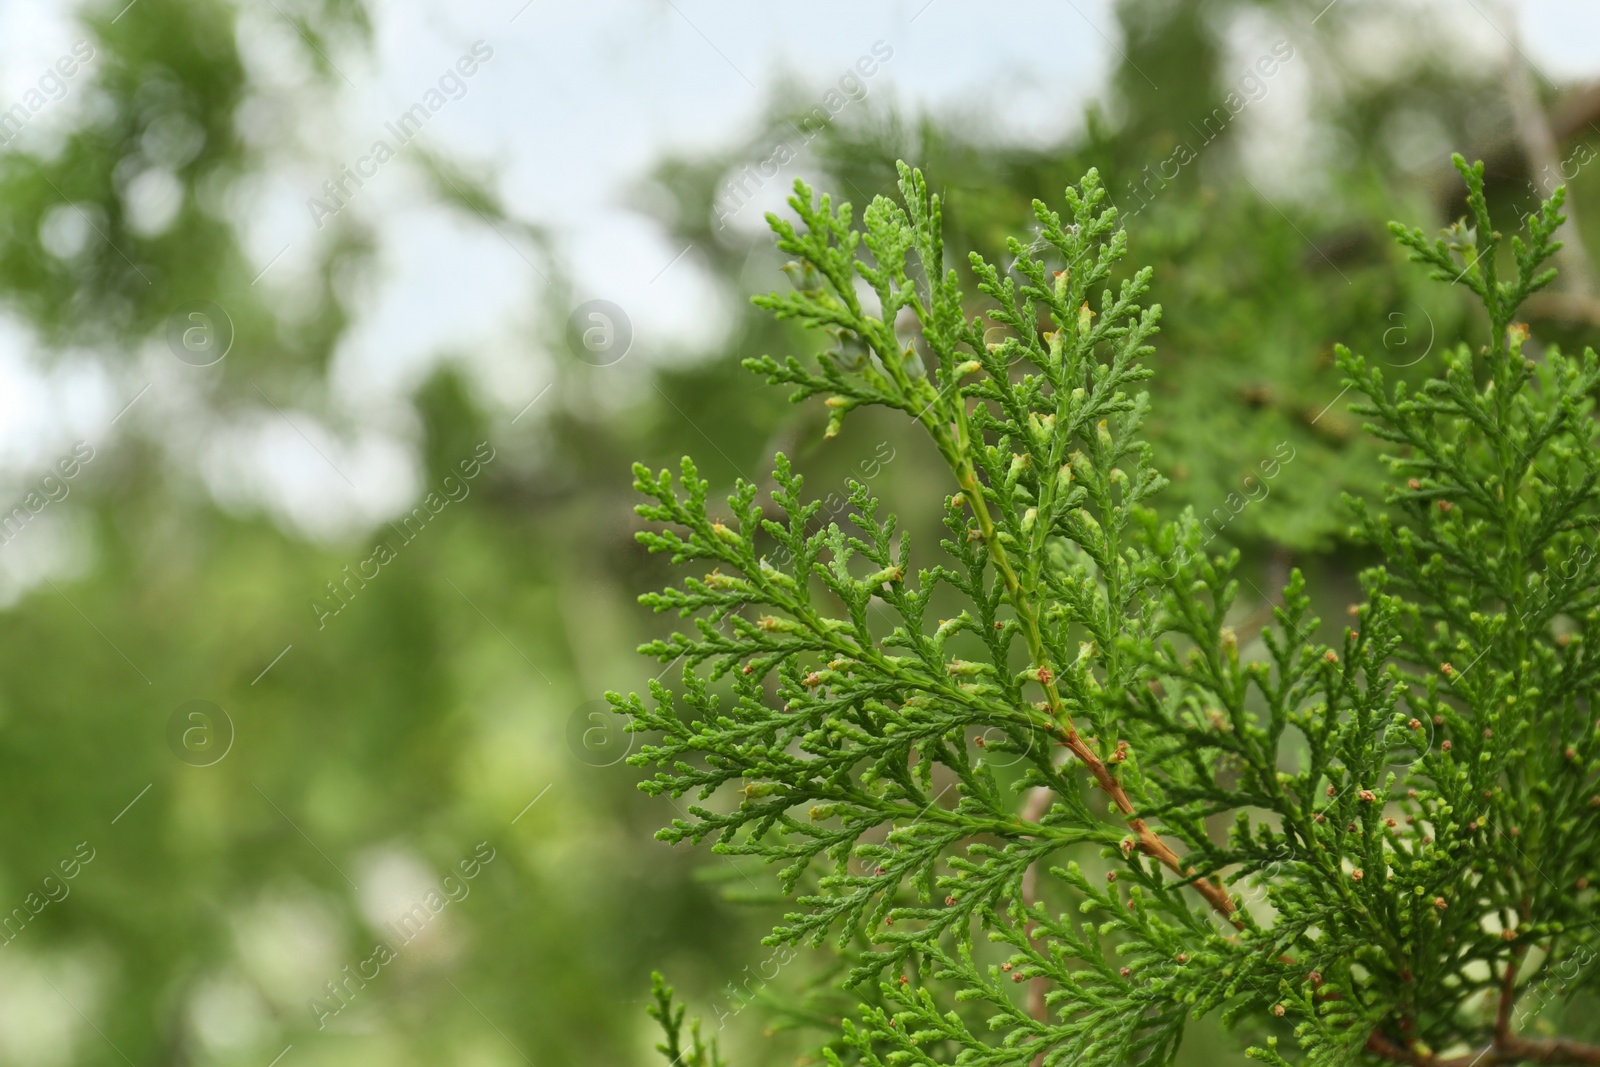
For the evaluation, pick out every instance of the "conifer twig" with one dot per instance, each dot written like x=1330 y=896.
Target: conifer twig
x=1386 y=793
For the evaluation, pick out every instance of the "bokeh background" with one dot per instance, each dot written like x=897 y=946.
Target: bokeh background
x=319 y=555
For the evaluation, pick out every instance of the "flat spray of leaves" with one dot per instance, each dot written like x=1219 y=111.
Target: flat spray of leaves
x=1412 y=813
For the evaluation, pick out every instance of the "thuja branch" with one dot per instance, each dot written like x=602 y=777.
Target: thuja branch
x=958 y=440
x=1411 y=809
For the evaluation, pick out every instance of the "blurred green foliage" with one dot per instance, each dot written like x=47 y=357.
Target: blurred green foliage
x=425 y=717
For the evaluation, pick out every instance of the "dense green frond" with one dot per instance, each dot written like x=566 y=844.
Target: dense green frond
x=1340 y=848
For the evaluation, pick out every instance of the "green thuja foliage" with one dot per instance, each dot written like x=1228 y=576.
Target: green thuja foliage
x=699 y=1053
x=1080 y=809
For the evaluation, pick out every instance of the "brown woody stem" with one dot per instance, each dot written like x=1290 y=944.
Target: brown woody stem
x=1506 y=1047
x=1146 y=839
